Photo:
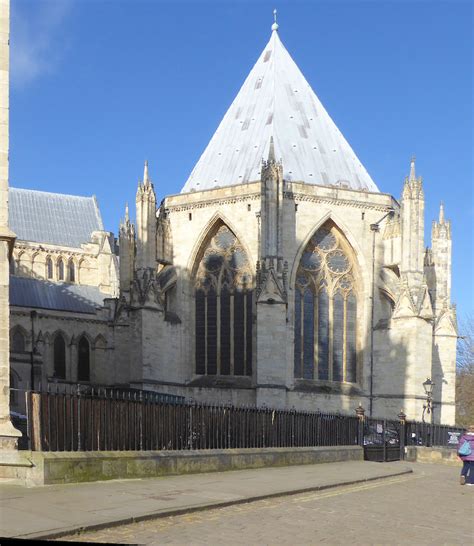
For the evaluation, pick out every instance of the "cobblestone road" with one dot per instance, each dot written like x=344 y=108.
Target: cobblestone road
x=427 y=507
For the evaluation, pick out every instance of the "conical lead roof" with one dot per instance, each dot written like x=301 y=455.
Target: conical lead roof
x=277 y=101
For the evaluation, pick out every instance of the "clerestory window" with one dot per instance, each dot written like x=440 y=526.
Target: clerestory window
x=49 y=268
x=224 y=307
x=326 y=310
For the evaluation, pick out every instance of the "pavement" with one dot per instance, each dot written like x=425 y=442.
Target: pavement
x=53 y=511
x=427 y=507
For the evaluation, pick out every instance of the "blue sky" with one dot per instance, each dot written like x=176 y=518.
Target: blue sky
x=98 y=86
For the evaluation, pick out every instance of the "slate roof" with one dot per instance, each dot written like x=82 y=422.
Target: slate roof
x=276 y=100
x=53 y=218
x=28 y=292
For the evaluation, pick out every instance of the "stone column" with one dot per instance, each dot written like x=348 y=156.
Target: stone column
x=8 y=434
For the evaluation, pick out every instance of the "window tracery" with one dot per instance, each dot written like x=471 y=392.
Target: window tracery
x=326 y=309
x=224 y=307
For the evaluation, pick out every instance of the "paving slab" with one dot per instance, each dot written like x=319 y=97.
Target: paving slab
x=52 y=511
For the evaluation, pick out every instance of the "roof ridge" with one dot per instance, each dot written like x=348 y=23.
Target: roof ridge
x=52 y=193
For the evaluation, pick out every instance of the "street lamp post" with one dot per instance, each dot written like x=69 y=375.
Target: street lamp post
x=428 y=407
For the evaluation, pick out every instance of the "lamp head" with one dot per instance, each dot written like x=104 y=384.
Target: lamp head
x=428 y=386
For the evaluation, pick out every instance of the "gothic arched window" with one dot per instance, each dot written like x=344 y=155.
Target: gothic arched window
x=60 y=269
x=49 y=268
x=224 y=305
x=71 y=270
x=18 y=342
x=59 y=357
x=83 y=360
x=326 y=309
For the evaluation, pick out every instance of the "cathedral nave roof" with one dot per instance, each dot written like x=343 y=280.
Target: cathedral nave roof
x=53 y=218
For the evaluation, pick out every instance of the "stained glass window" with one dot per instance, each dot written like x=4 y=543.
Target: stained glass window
x=326 y=309
x=224 y=307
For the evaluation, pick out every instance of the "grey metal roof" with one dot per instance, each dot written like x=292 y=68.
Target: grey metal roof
x=28 y=292
x=53 y=218
x=277 y=101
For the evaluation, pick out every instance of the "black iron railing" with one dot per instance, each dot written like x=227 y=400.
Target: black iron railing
x=134 y=421
x=427 y=434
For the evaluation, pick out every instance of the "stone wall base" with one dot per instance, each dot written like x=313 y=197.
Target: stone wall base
x=62 y=467
x=437 y=455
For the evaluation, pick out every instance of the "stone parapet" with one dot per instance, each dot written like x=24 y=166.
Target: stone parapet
x=62 y=467
x=437 y=455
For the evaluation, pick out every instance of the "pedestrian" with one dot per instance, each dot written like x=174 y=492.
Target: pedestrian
x=466 y=454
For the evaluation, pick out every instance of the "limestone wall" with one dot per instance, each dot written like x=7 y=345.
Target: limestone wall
x=7 y=432
x=94 y=264
x=104 y=368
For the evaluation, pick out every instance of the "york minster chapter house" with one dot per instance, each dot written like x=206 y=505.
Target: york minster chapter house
x=279 y=276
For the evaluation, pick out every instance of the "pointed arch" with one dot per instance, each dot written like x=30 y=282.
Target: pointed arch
x=23 y=263
x=49 y=269
x=18 y=339
x=327 y=288
x=59 y=355
x=60 y=268
x=223 y=281
x=83 y=358
x=100 y=342
x=37 y=264
x=71 y=270
x=343 y=228
x=216 y=220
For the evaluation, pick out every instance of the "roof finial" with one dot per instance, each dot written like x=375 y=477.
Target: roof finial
x=127 y=218
x=275 y=24
x=412 y=169
x=145 y=173
x=441 y=213
x=271 y=151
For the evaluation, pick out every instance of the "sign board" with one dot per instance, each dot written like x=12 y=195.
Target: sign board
x=453 y=438
x=379 y=428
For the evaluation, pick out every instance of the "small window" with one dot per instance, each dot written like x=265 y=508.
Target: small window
x=190 y=216
x=71 y=271
x=49 y=268
x=60 y=269
x=249 y=207
x=18 y=342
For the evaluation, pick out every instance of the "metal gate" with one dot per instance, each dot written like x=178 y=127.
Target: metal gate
x=383 y=441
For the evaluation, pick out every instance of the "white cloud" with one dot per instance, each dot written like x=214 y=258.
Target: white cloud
x=35 y=40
